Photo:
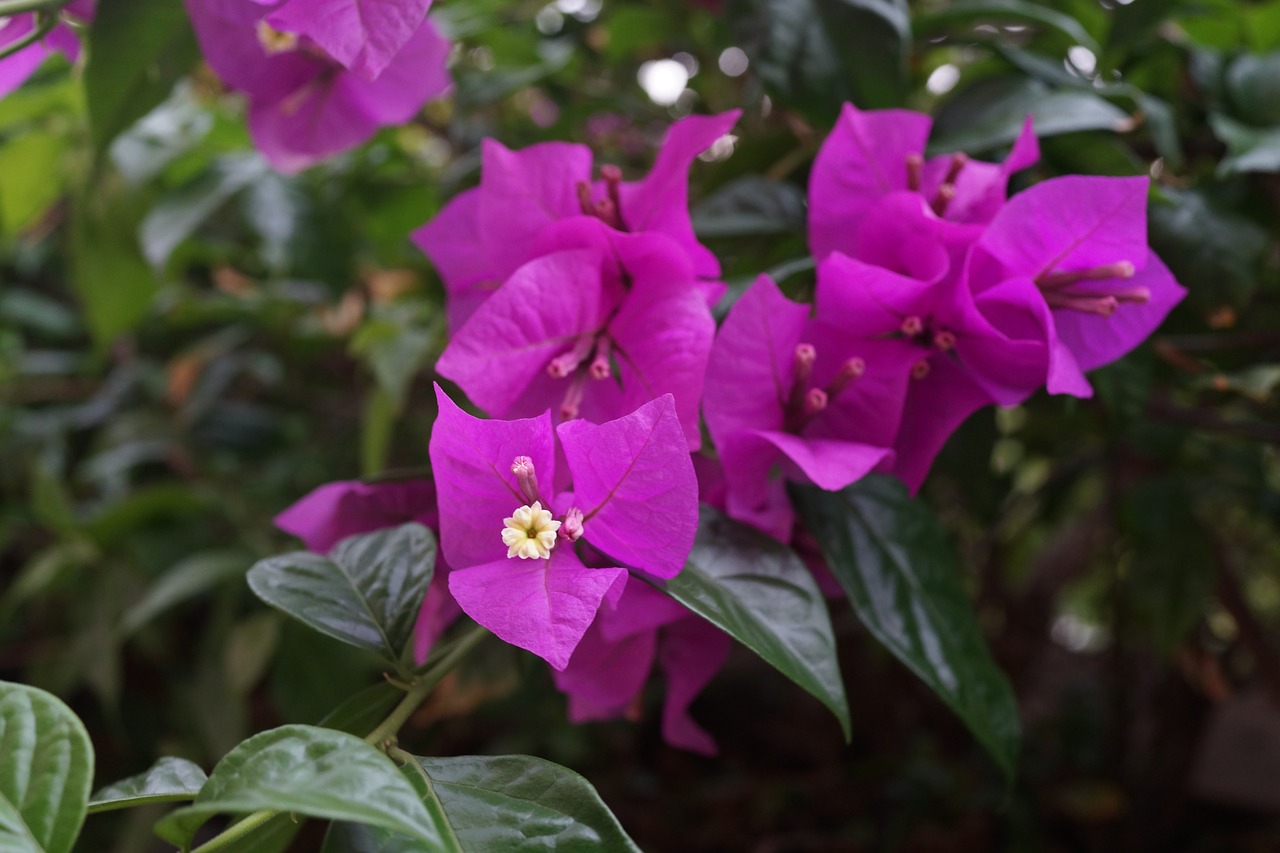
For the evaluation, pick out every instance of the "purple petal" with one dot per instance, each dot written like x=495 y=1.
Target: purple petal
x=692 y=652
x=829 y=463
x=1095 y=341
x=227 y=32
x=634 y=481
x=522 y=192
x=471 y=460
x=334 y=511
x=642 y=609
x=749 y=372
x=756 y=492
x=363 y=35
x=439 y=610
x=903 y=235
x=980 y=188
x=936 y=406
x=660 y=202
x=15 y=69
x=864 y=158
x=544 y=606
x=418 y=73
x=536 y=315
x=604 y=677
x=459 y=248
x=1068 y=224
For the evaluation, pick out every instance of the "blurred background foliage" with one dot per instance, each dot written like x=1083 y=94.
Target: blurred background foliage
x=189 y=342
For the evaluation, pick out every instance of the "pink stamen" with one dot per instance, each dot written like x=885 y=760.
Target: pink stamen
x=613 y=181
x=849 y=371
x=920 y=369
x=944 y=340
x=915 y=171
x=942 y=198
x=1103 y=305
x=801 y=369
x=566 y=363
x=584 y=199
x=912 y=326
x=571 y=527
x=600 y=367
x=573 y=397
x=1054 y=280
x=522 y=467
x=815 y=401
x=958 y=162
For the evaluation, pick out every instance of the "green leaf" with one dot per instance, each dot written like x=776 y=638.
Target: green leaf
x=190 y=577
x=991 y=113
x=751 y=206
x=512 y=803
x=309 y=771
x=761 y=594
x=137 y=51
x=817 y=54
x=1253 y=84
x=178 y=215
x=894 y=562
x=46 y=769
x=32 y=176
x=1251 y=150
x=113 y=282
x=363 y=711
x=967 y=12
x=366 y=593
x=168 y=780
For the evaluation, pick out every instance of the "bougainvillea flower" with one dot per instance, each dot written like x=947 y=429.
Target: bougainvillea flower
x=484 y=234
x=1075 y=249
x=608 y=670
x=958 y=359
x=633 y=497
x=788 y=398
x=870 y=154
x=364 y=36
x=16 y=68
x=304 y=105
x=334 y=511
x=589 y=333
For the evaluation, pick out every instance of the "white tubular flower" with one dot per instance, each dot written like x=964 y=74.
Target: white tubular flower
x=530 y=533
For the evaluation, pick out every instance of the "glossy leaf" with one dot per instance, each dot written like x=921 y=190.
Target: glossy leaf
x=309 y=771
x=363 y=711
x=191 y=577
x=818 y=53
x=894 y=562
x=137 y=51
x=367 y=592
x=167 y=780
x=761 y=594
x=46 y=768
x=966 y=12
x=1251 y=150
x=751 y=206
x=513 y=803
x=178 y=215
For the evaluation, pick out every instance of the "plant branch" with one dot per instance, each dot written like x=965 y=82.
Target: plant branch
x=1252 y=633
x=45 y=22
x=18 y=7
x=234 y=833
x=423 y=685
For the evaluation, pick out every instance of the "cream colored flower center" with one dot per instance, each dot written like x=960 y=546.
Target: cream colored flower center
x=274 y=41
x=530 y=533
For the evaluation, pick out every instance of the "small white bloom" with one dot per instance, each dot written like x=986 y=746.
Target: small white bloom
x=530 y=533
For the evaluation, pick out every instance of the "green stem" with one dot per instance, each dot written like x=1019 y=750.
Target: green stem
x=18 y=7
x=234 y=833
x=45 y=22
x=423 y=685
x=386 y=730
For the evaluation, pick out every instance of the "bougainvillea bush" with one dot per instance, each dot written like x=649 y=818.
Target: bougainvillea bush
x=632 y=424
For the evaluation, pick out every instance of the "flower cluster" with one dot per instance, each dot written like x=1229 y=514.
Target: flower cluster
x=321 y=76
x=580 y=310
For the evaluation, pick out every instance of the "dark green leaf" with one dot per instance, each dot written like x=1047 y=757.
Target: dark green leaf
x=894 y=562
x=363 y=711
x=167 y=780
x=193 y=576
x=967 y=12
x=762 y=594
x=366 y=593
x=1253 y=84
x=46 y=769
x=309 y=771
x=178 y=215
x=991 y=113
x=512 y=803
x=1251 y=150
x=137 y=51
x=819 y=53
x=751 y=206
